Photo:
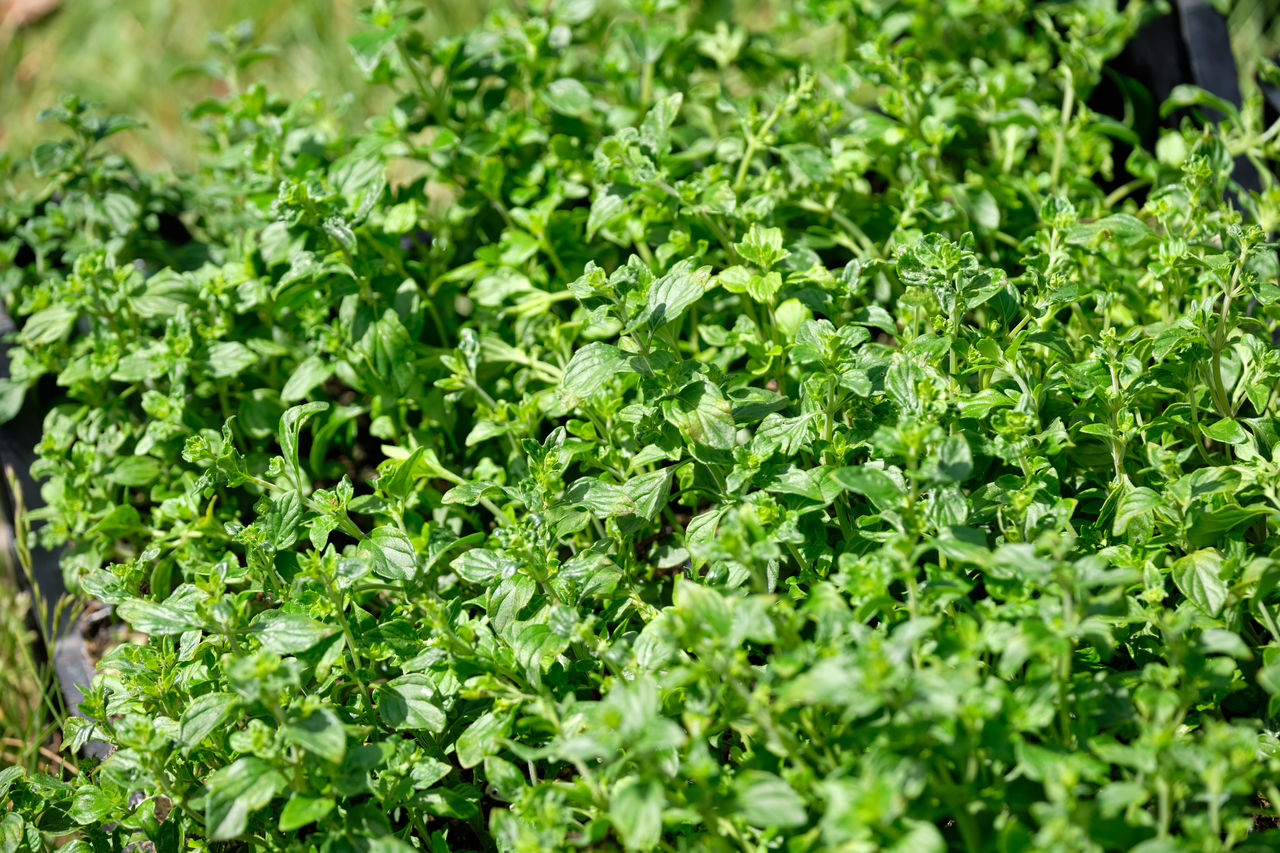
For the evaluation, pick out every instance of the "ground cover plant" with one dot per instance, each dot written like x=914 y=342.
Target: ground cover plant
x=670 y=426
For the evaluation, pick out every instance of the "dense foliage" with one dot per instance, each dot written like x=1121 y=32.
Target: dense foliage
x=666 y=429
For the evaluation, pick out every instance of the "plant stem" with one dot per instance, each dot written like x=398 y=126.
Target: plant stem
x=1123 y=190
x=1068 y=104
x=353 y=648
x=753 y=143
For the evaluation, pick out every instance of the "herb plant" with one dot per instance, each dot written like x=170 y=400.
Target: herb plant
x=668 y=428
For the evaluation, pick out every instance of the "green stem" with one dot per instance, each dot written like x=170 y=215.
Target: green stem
x=829 y=428
x=1215 y=811
x=1123 y=190
x=1068 y=104
x=646 y=83
x=555 y=260
x=1064 y=669
x=795 y=555
x=642 y=249
x=353 y=648
x=498 y=514
x=1163 y=808
x=753 y=144
x=1221 y=399
x=432 y=98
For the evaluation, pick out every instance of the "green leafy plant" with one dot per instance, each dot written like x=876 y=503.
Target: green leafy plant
x=669 y=429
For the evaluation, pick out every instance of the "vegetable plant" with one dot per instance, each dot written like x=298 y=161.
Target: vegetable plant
x=669 y=426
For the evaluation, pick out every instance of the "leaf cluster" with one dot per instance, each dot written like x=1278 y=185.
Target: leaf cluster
x=674 y=428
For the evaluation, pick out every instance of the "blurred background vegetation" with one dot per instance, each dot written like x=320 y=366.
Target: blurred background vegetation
x=125 y=54
x=1255 y=33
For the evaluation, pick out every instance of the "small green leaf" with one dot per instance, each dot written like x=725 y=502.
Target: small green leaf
x=701 y=529
x=150 y=617
x=1222 y=642
x=49 y=325
x=401 y=218
x=874 y=484
x=303 y=810
x=471 y=494
x=1226 y=430
x=606 y=206
x=290 y=426
x=237 y=791
x=655 y=129
x=1187 y=95
x=482 y=738
x=202 y=716
x=230 y=358
x=901 y=384
x=50 y=157
x=285 y=633
x=765 y=800
x=309 y=373
x=567 y=97
x=785 y=435
x=390 y=553
x=456 y=803
x=702 y=607
x=592 y=367
x=1136 y=502
x=120 y=521
x=386 y=352
x=370 y=46
x=319 y=732
x=483 y=567
x=1128 y=231
x=703 y=415
x=601 y=499
x=762 y=247
x=408 y=702
x=90 y=805
x=396 y=477
x=955 y=460
x=1198 y=576
x=649 y=492
x=134 y=471
x=635 y=809
x=8 y=776
x=670 y=295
